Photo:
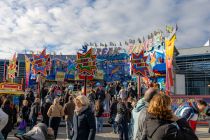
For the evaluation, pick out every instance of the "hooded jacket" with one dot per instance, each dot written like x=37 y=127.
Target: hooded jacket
x=84 y=125
x=141 y=105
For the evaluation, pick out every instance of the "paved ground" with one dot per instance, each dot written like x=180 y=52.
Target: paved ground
x=107 y=135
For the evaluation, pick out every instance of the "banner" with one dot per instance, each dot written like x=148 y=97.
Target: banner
x=139 y=65
x=60 y=76
x=169 y=62
x=170 y=50
x=41 y=63
x=12 y=67
x=86 y=64
x=27 y=68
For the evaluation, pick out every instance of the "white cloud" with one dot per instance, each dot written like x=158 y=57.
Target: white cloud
x=32 y=24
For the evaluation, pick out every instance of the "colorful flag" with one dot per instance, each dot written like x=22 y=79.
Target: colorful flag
x=41 y=63
x=170 y=50
x=12 y=67
x=27 y=67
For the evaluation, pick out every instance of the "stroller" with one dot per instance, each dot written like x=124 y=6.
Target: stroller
x=38 y=132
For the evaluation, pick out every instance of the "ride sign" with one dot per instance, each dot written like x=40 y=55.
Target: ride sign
x=86 y=65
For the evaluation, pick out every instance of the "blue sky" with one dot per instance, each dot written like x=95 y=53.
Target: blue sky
x=66 y=24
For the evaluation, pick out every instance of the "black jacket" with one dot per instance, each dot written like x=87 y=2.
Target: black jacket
x=113 y=109
x=34 y=111
x=25 y=113
x=84 y=125
x=44 y=109
x=157 y=129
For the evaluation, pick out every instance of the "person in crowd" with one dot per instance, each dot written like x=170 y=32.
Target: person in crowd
x=112 y=90
x=3 y=122
x=44 y=109
x=92 y=96
x=118 y=87
x=122 y=120
x=2 y=99
x=208 y=117
x=123 y=93
x=14 y=115
x=34 y=113
x=6 y=107
x=69 y=108
x=43 y=92
x=39 y=132
x=99 y=110
x=162 y=124
x=84 y=124
x=100 y=93
x=61 y=100
x=25 y=111
x=191 y=111
x=113 y=113
x=131 y=91
x=51 y=93
x=128 y=104
x=107 y=101
x=139 y=113
x=55 y=113
x=30 y=97
x=67 y=95
x=140 y=108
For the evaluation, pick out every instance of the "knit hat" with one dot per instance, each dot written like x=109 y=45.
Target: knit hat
x=149 y=94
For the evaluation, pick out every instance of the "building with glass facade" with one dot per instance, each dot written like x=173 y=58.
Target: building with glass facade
x=194 y=65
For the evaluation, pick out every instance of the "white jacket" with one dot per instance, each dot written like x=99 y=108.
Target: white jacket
x=3 y=119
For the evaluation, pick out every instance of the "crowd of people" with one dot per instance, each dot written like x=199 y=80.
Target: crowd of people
x=132 y=118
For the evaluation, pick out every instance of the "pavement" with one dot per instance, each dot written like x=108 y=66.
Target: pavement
x=108 y=135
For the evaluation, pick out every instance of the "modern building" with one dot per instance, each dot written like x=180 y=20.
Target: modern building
x=193 y=70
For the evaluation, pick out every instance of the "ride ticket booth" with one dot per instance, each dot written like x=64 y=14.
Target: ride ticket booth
x=13 y=89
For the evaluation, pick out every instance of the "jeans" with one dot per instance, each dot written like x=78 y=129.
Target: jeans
x=114 y=125
x=69 y=129
x=1 y=136
x=99 y=124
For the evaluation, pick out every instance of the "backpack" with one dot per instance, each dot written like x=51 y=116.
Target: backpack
x=180 y=110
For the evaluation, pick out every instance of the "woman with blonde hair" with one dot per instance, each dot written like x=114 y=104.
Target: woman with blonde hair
x=162 y=124
x=55 y=113
x=84 y=125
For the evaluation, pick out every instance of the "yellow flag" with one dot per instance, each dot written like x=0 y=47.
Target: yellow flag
x=170 y=50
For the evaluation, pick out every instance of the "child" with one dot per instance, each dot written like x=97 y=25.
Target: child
x=21 y=129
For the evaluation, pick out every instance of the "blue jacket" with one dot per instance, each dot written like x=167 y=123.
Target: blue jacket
x=141 y=104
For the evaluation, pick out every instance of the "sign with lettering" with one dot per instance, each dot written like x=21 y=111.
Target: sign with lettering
x=86 y=64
